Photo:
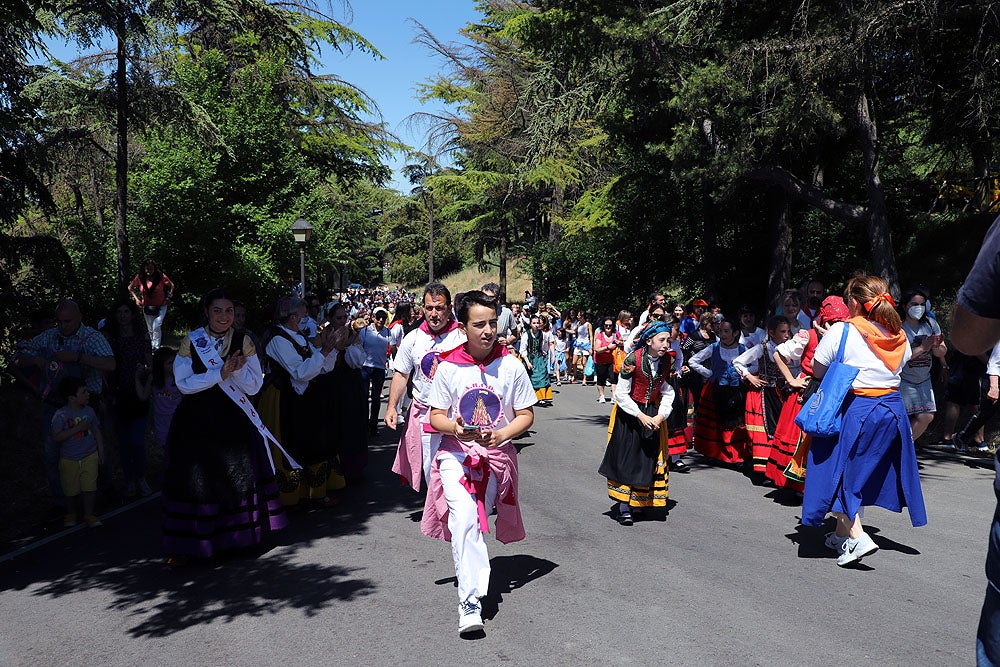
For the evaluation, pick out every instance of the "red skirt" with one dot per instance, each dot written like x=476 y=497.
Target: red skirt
x=762 y=411
x=714 y=440
x=678 y=425
x=787 y=436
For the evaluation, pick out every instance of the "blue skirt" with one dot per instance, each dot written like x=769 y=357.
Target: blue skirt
x=871 y=462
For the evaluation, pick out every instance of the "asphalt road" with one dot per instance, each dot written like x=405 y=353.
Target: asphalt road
x=728 y=578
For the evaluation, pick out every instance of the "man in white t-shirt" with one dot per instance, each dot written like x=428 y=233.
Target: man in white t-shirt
x=417 y=358
x=480 y=399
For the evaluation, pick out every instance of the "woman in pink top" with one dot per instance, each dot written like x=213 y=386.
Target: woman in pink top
x=152 y=290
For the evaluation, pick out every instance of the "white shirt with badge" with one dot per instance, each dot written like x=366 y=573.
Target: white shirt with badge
x=419 y=354
x=486 y=398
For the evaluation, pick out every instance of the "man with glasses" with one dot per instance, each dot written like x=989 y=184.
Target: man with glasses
x=417 y=359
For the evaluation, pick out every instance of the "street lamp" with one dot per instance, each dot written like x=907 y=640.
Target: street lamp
x=302 y=231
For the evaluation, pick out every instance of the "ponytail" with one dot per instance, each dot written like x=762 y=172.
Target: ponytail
x=872 y=293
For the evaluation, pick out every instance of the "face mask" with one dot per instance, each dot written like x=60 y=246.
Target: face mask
x=916 y=312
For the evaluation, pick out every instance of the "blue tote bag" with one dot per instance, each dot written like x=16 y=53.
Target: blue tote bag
x=822 y=415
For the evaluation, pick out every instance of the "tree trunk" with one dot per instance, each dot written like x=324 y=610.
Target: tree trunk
x=980 y=151
x=781 y=254
x=430 y=240
x=709 y=244
x=121 y=160
x=878 y=214
x=503 y=259
x=558 y=199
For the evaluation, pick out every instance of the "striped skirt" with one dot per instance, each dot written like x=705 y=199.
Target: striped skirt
x=218 y=490
x=763 y=407
x=787 y=436
x=715 y=439
x=623 y=435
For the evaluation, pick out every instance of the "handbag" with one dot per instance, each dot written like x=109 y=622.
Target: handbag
x=590 y=369
x=619 y=357
x=822 y=415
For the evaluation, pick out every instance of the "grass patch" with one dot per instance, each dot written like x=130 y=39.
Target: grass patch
x=471 y=278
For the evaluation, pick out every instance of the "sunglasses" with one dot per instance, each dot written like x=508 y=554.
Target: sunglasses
x=658 y=317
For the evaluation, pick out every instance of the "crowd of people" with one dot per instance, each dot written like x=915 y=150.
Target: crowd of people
x=253 y=423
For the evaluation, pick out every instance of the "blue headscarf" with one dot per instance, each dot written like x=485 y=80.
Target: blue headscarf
x=652 y=330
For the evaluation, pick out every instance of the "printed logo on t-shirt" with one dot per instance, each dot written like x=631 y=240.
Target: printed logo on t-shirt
x=429 y=364
x=72 y=422
x=480 y=407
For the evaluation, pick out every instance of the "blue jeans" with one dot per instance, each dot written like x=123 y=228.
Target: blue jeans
x=988 y=636
x=154 y=323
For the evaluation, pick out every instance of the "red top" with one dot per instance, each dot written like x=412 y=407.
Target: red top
x=150 y=294
x=600 y=340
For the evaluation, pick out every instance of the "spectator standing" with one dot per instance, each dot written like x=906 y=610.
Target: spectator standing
x=70 y=349
x=376 y=340
x=152 y=291
x=133 y=356
x=970 y=438
x=924 y=336
x=162 y=390
x=76 y=430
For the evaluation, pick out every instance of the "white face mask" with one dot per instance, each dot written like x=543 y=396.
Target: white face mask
x=916 y=312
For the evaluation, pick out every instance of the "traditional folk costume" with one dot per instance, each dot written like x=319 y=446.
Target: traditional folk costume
x=763 y=405
x=872 y=461
x=302 y=417
x=418 y=356
x=786 y=465
x=535 y=349
x=719 y=430
x=635 y=462
x=466 y=480
x=347 y=407
x=219 y=489
x=788 y=437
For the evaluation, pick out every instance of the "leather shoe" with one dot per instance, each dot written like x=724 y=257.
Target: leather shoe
x=679 y=466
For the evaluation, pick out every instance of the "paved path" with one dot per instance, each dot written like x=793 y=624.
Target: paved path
x=727 y=579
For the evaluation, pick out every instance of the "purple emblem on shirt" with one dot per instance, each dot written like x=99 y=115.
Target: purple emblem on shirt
x=480 y=408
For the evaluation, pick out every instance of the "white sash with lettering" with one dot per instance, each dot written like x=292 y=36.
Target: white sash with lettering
x=202 y=344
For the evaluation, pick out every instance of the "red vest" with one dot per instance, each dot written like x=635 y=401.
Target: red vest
x=809 y=353
x=646 y=387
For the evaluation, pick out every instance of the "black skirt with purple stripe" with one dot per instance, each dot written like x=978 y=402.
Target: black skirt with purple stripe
x=219 y=491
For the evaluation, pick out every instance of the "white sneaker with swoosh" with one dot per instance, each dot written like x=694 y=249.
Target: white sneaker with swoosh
x=856 y=549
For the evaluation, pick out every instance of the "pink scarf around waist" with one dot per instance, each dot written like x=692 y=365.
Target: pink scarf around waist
x=410 y=453
x=500 y=462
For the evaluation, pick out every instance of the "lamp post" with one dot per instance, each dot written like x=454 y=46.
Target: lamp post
x=302 y=231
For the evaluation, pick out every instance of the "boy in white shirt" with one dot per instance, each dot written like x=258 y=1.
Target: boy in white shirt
x=480 y=400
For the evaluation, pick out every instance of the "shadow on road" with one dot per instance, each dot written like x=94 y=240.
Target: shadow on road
x=123 y=558
x=810 y=541
x=510 y=573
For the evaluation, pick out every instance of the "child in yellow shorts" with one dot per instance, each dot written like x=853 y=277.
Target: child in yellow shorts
x=76 y=430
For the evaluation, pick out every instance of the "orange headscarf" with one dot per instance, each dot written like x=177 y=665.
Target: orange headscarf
x=890 y=348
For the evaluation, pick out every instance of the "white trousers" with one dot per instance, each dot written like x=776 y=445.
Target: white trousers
x=468 y=547
x=429 y=443
x=154 y=323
